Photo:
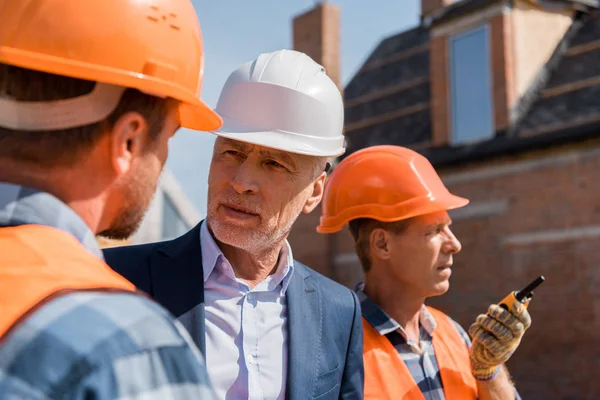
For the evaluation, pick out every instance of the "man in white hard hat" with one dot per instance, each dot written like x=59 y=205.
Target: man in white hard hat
x=271 y=328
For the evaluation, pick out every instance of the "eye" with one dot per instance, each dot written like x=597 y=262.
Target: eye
x=274 y=164
x=232 y=153
x=435 y=231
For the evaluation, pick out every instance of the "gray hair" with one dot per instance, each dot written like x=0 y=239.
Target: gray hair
x=320 y=164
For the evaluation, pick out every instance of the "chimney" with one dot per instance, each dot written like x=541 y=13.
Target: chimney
x=429 y=7
x=317 y=33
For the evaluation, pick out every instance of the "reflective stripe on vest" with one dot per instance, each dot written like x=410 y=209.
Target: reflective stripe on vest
x=39 y=262
x=388 y=377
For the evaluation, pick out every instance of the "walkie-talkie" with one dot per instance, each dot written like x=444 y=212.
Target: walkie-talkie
x=522 y=296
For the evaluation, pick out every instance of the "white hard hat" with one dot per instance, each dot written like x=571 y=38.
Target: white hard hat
x=283 y=100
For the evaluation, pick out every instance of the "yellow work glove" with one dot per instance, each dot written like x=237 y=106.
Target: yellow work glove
x=495 y=336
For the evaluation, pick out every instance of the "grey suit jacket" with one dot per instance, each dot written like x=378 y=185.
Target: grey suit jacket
x=324 y=317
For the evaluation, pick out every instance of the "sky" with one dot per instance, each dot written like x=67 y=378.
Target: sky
x=237 y=31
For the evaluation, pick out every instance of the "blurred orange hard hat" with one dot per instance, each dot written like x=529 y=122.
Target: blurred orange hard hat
x=385 y=183
x=154 y=46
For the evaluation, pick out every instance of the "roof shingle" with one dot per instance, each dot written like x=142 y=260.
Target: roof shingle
x=387 y=100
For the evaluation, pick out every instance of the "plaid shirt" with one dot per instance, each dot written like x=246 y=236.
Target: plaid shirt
x=93 y=345
x=419 y=358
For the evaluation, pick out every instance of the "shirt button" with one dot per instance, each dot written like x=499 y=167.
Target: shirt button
x=250 y=296
x=250 y=359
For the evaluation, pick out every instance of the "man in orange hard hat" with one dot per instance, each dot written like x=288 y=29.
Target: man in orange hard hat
x=90 y=94
x=396 y=206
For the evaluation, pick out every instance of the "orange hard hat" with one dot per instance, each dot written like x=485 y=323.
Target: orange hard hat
x=154 y=46
x=385 y=183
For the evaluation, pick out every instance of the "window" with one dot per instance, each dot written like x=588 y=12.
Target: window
x=172 y=223
x=472 y=111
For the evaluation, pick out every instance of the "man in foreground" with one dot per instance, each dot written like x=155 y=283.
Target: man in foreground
x=84 y=128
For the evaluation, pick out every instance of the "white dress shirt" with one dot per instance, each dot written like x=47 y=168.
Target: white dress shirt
x=246 y=329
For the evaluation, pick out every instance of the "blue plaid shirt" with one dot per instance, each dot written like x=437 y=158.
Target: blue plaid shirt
x=88 y=345
x=419 y=358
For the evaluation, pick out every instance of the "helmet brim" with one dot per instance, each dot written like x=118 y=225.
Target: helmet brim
x=198 y=116
x=281 y=140
x=448 y=202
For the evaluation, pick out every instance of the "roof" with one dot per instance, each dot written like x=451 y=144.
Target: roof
x=388 y=100
x=394 y=77
x=462 y=7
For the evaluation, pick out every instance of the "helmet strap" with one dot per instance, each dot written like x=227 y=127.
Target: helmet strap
x=60 y=114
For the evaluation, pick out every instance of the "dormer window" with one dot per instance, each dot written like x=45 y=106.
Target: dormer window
x=471 y=105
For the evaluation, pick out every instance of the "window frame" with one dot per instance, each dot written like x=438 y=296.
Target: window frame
x=486 y=29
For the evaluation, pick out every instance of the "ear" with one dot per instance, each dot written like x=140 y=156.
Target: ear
x=379 y=243
x=317 y=193
x=128 y=139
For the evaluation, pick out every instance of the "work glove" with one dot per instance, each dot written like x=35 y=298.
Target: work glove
x=495 y=337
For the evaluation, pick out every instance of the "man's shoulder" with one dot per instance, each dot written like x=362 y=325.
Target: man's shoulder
x=82 y=333
x=133 y=263
x=129 y=260
x=136 y=252
x=336 y=293
x=88 y=324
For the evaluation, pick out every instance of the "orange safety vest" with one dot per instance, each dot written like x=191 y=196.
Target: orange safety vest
x=388 y=377
x=38 y=263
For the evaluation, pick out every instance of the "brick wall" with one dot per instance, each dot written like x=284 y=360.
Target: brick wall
x=310 y=247
x=532 y=215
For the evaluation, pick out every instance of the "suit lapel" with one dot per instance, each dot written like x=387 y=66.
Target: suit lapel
x=178 y=282
x=304 y=324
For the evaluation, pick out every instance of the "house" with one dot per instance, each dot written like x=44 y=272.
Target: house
x=503 y=97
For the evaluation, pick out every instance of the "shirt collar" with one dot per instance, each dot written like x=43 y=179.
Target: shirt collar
x=20 y=205
x=385 y=324
x=212 y=256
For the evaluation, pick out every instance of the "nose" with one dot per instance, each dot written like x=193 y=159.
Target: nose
x=244 y=180
x=452 y=245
